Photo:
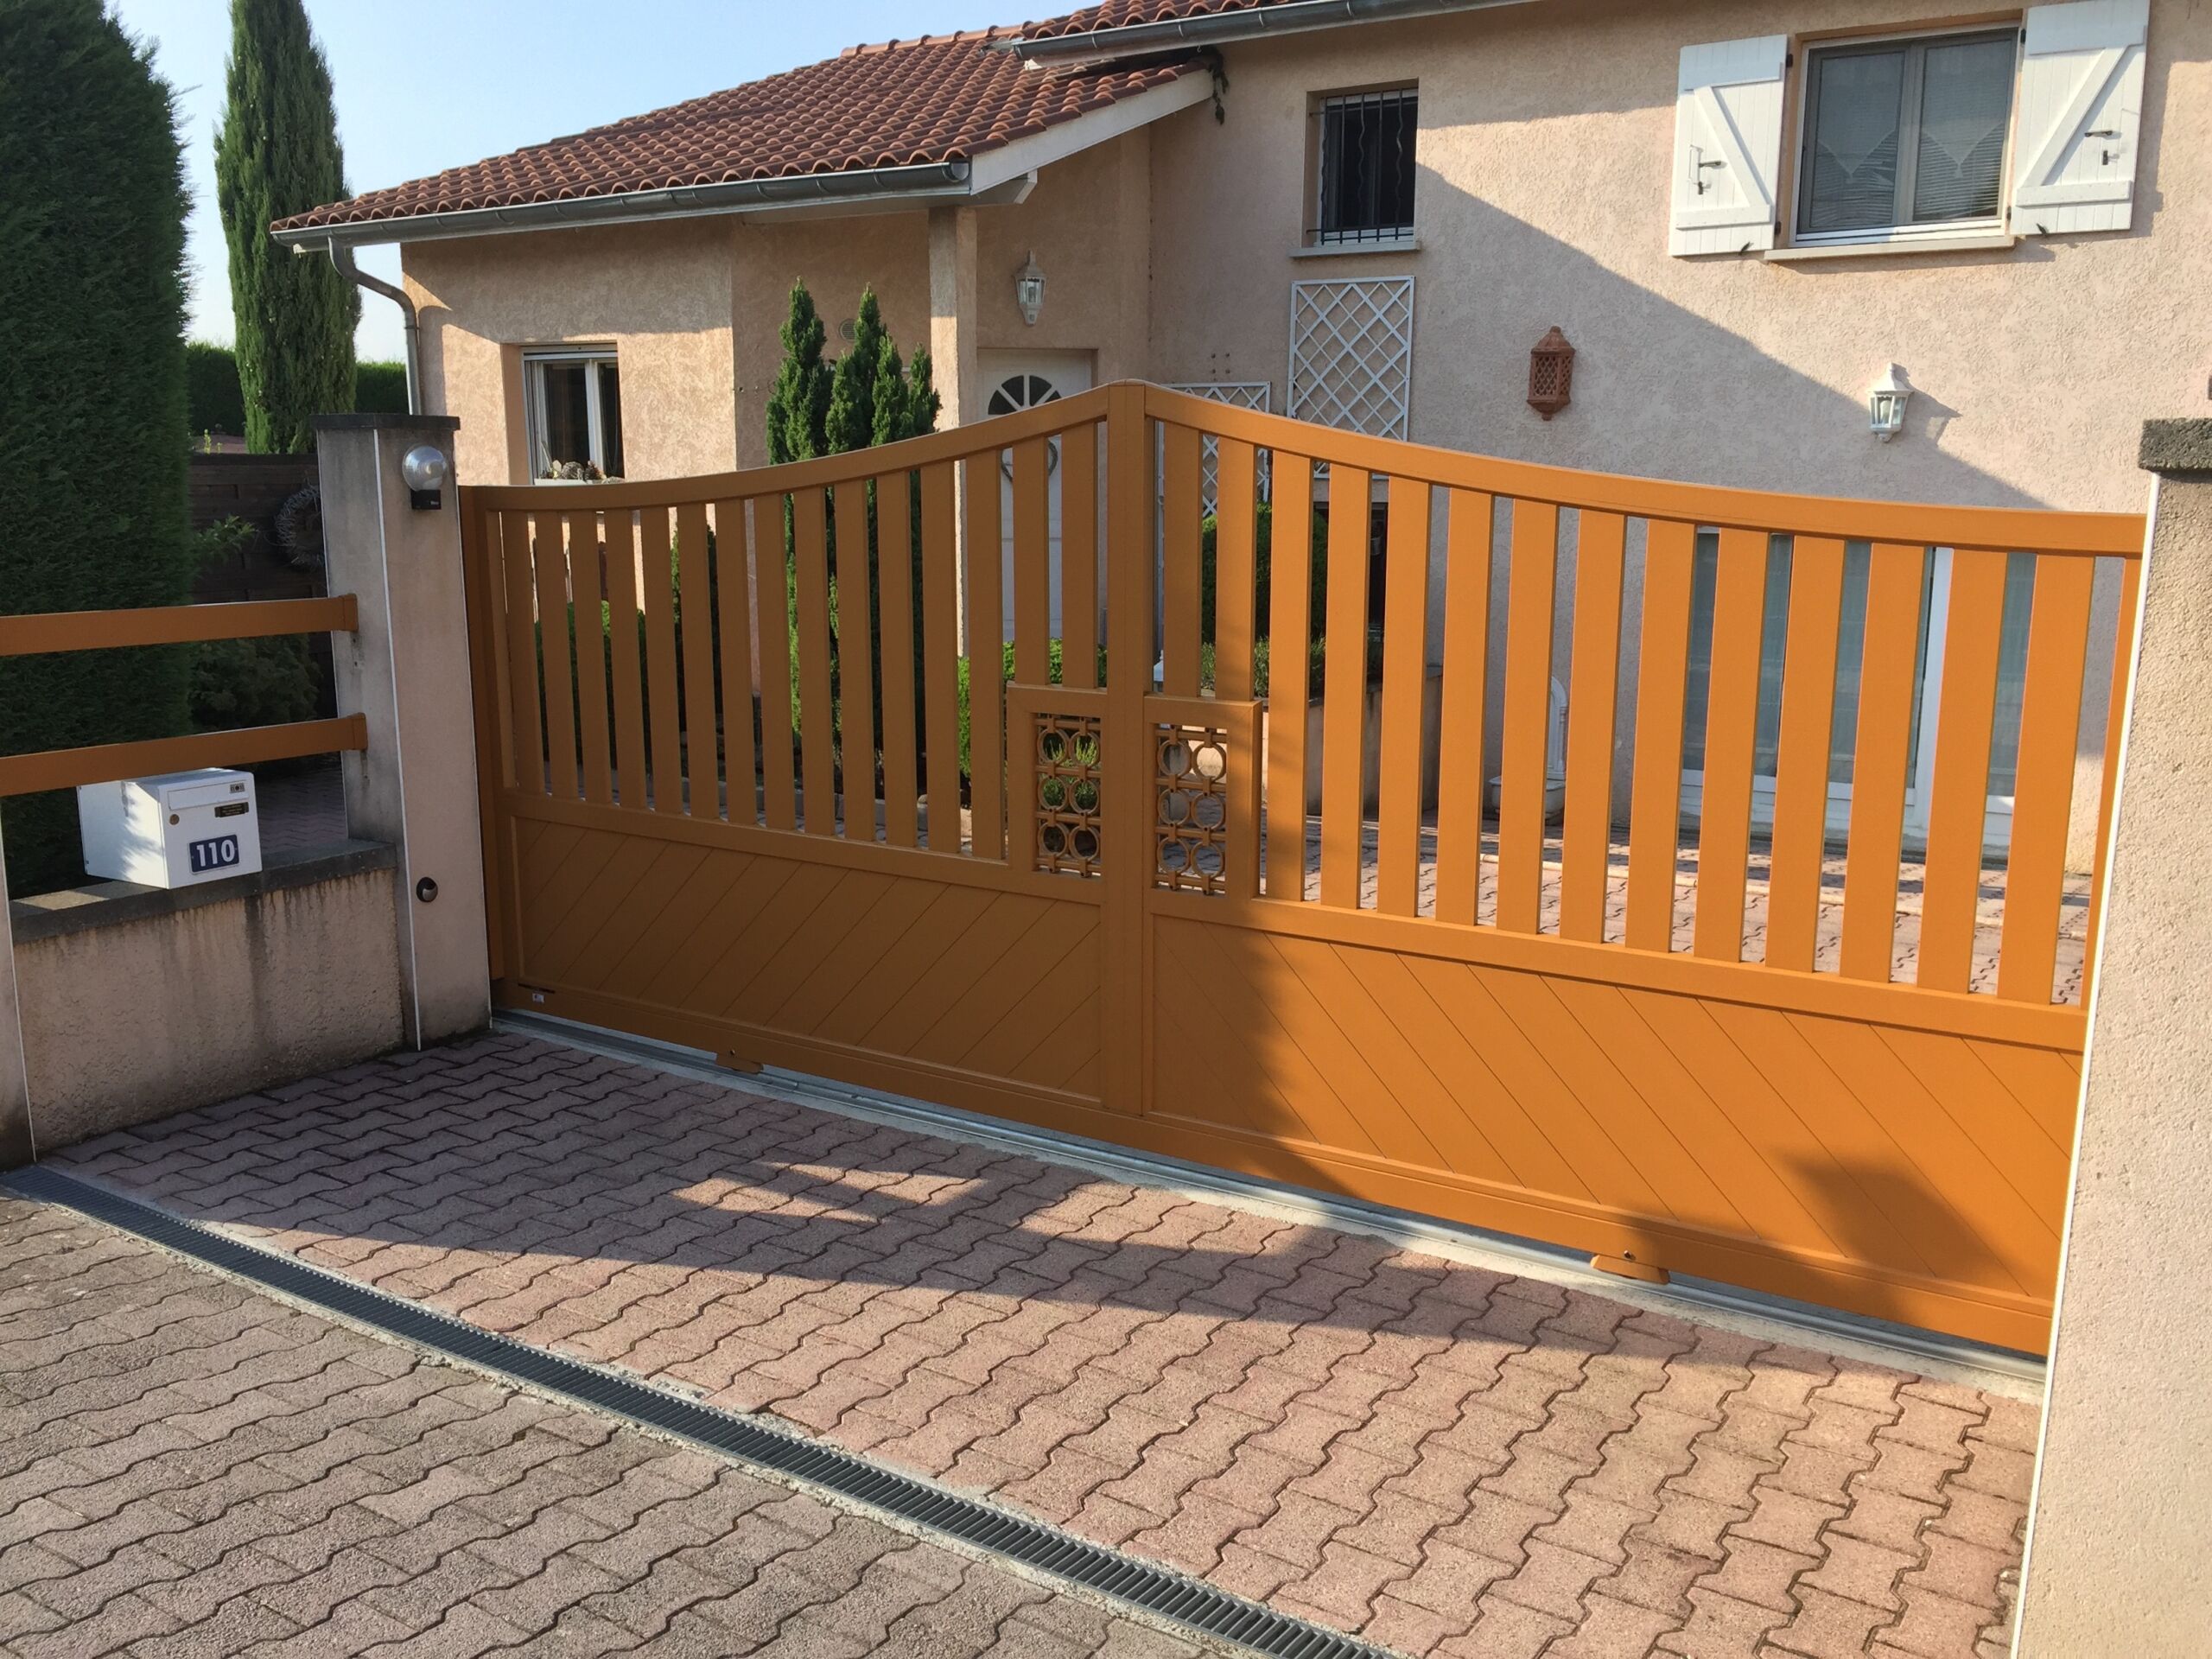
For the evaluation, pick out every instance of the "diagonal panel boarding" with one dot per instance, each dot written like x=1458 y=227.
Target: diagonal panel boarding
x=1900 y=1172
x=730 y=946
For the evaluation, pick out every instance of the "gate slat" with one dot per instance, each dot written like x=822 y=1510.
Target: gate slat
x=940 y=655
x=551 y=564
x=986 y=657
x=661 y=711
x=856 y=661
x=586 y=586
x=1959 y=808
x=1656 y=804
x=895 y=571
x=522 y=652
x=1032 y=569
x=702 y=762
x=1290 y=625
x=492 y=585
x=779 y=781
x=1343 y=690
x=623 y=628
x=1460 y=769
x=1531 y=591
x=1731 y=735
x=1405 y=654
x=1180 y=553
x=2042 y=790
x=1877 y=767
x=1586 y=834
x=1236 y=470
x=1801 y=787
x=733 y=594
x=1079 y=556
x=817 y=720
x=2123 y=670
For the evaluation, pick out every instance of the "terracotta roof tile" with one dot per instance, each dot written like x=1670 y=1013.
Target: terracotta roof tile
x=1122 y=14
x=938 y=98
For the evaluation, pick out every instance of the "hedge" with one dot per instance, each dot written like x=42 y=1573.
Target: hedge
x=91 y=330
x=216 y=404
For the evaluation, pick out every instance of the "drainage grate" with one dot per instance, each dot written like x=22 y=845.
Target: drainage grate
x=980 y=1525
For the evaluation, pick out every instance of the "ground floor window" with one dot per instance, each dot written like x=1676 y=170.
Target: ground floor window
x=575 y=402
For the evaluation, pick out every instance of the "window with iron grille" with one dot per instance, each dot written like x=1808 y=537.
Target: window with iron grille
x=1365 y=167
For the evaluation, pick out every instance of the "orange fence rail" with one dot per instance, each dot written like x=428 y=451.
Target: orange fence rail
x=1804 y=1015
x=74 y=631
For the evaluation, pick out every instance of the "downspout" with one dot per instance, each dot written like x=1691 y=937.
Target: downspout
x=341 y=256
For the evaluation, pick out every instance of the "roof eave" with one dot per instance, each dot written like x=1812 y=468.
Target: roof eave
x=1217 y=28
x=930 y=181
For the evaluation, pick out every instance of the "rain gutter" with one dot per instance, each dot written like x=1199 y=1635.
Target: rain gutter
x=1214 y=27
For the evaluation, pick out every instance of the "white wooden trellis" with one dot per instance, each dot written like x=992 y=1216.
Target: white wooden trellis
x=1237 y=394
x=1351 y=353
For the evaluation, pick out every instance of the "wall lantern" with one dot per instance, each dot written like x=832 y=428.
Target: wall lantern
x=1029 y=290
x=1551 y=374
x=423 y=470
x=1886 y=404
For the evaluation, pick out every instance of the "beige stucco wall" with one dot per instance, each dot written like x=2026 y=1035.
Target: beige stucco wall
x=693 y=306
x=132 y=1021
x=661 y=292
x=1546 y=142
x=1089 y=223
x=2120 y=1546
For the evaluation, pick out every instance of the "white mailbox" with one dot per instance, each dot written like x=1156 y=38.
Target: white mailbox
x=171 y=831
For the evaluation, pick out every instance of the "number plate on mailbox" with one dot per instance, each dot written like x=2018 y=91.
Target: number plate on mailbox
x=217 y=853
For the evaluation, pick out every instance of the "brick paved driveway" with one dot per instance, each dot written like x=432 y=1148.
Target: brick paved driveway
x=1446 y=1460
x=188 y=1468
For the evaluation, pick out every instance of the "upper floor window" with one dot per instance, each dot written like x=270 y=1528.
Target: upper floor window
x=1906 y=135
x=574 y=404
x=1364 y=166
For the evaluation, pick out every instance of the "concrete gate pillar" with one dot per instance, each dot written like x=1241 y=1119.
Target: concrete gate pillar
x=16 y=1147
x=2119 y=1541
x=406 y=670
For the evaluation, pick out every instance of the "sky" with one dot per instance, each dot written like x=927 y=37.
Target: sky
x=491 y=76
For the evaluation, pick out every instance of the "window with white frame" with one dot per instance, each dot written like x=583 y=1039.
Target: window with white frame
x=1906 y=135
x=575 y=402
x=1364 y=167
x=1941 y=134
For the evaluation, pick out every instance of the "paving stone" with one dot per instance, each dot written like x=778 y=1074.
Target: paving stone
x=1475 y=1462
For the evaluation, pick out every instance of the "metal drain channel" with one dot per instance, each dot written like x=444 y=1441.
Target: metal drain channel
x=983 y=1526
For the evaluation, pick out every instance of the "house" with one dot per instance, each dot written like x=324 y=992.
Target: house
x=1745 y=219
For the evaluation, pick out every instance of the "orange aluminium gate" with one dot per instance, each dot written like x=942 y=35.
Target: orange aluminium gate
x=1690 y=876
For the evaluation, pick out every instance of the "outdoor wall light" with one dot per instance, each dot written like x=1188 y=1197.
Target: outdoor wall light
x=1029 y=290
x=1886 y=404
x=424 y=468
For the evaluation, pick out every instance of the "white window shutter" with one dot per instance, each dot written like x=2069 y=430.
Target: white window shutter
x=1728 y=145
x=2081 y=112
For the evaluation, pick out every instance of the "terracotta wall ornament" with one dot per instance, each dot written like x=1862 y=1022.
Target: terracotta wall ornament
x=1551 y=374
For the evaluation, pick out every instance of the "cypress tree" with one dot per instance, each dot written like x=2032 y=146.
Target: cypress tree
x=799 y=404
x=92 y=403
x=278 y=155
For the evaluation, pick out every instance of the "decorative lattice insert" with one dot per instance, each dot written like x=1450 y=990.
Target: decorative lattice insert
x=1351 y=354
x=1067 y=794
x=1237 y=394
x=1192 y=822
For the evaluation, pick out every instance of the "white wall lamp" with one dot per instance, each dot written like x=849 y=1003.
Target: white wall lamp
x=423 y=470
x=1885 y=404
x=1029 y=290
